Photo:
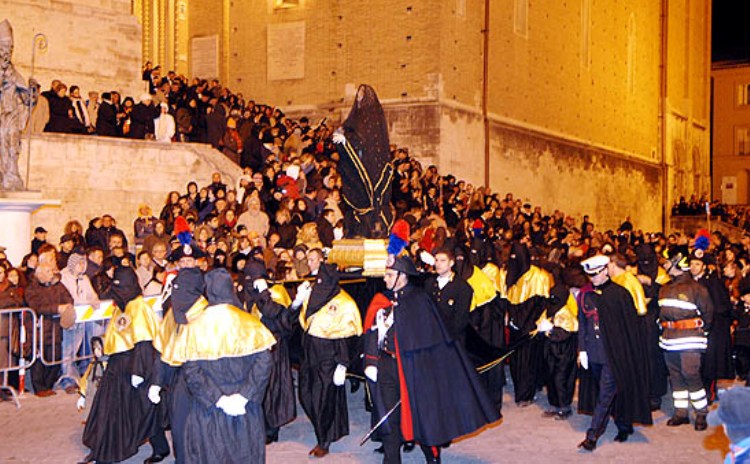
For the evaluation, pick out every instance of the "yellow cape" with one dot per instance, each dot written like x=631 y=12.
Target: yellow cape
x=137 y=323
x=214 y=332
x=339 y=318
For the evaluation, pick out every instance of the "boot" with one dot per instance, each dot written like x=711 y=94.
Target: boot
x=700 y=422
x=588 y=444
x=675 y=421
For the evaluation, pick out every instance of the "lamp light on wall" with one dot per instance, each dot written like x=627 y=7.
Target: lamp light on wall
x=284 y=4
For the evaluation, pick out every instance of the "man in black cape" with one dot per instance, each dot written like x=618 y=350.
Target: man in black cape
x=279 y=403
x=366 y=171
x=611 y=346
x=410 y=358
x=226 y=370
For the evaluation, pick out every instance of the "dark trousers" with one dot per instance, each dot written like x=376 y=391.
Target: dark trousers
x=44 y=377
x=159 y=443
x=607 y=391
x=389 y=387
x=560 y=360
x=742 y=361
x=685 y=377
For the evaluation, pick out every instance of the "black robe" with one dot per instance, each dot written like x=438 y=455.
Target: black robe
x=624 y=334
x=717 y=362
x=323 y=402
x=279 y=403
x=210 y=434
x=444 y=399
x=121 y=416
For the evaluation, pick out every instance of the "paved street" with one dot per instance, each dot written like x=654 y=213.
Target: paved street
x=48 y=430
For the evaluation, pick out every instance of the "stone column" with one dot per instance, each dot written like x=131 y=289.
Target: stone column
x=15 y=217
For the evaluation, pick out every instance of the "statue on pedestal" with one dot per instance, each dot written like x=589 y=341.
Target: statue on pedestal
x=365 y=167
x=17 y=97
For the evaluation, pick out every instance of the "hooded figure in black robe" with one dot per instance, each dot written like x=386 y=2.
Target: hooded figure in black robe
x=366 y=171
x=416 y=361
x=186 y=300
x=526 y=293
x=279 y=403
x=226 y=374
x=648 y=265
x=121 y=416
x=329 y=319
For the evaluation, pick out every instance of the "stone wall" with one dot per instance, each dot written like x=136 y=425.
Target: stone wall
x=93 y=176
x=94 y=44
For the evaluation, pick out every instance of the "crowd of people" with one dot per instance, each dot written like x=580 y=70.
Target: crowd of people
x=495 y=281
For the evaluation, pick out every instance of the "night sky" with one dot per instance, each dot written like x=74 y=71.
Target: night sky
x=731 y=32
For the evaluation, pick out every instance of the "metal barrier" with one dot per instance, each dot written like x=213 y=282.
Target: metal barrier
x=90 y=321
x=18 y=347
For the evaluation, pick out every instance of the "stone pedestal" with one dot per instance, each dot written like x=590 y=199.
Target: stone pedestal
x=15 y=221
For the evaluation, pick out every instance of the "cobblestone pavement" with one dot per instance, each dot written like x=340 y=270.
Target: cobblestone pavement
x=48 y=430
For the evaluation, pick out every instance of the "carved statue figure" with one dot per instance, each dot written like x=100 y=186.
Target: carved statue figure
x=16 y=99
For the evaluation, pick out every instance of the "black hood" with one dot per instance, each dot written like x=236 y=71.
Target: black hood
x=125 y=286
x=648 y=263
x=324 y=289
x=220 y=288
x=187 y=288
x=519 y=263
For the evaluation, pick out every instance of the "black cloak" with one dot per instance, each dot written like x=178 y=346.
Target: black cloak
x=443 y=397
x=279 y=404
x=625 y=343
x=365 y=167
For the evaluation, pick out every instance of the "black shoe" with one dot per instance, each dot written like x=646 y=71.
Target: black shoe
x=588 y=444
x=550 y=413
x=272 y=439
x=380 y=449
x=622 y=437
x=677 y=420
x=524 y=404
x=155 y=458
x=409 y=447
x=562 y=415
x=700 y=422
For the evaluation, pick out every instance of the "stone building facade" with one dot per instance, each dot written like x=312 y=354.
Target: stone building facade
x=731 y=132
x=94 y=44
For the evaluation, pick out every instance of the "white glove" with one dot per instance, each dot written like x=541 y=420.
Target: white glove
x=136 y=380
x=81 y=403
x=338 y=137
x=371 y=372
x=339 y=375
x=545 y=325
x=232 y=405
x=303 y=293
x=153 y=394
x=427 y=258
x=583 y=358
x=338 y=233
x=260 y=285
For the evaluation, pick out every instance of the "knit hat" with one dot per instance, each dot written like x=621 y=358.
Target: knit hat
x=734 y=413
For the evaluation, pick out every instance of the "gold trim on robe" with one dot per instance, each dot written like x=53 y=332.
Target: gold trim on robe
x=567 y=317
x=662 y=276
x=484 y=288
x=535 y=282
x=339 y=318
x=137 y=323
x=169 y=331
x=278 y=295
x=633 y=285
